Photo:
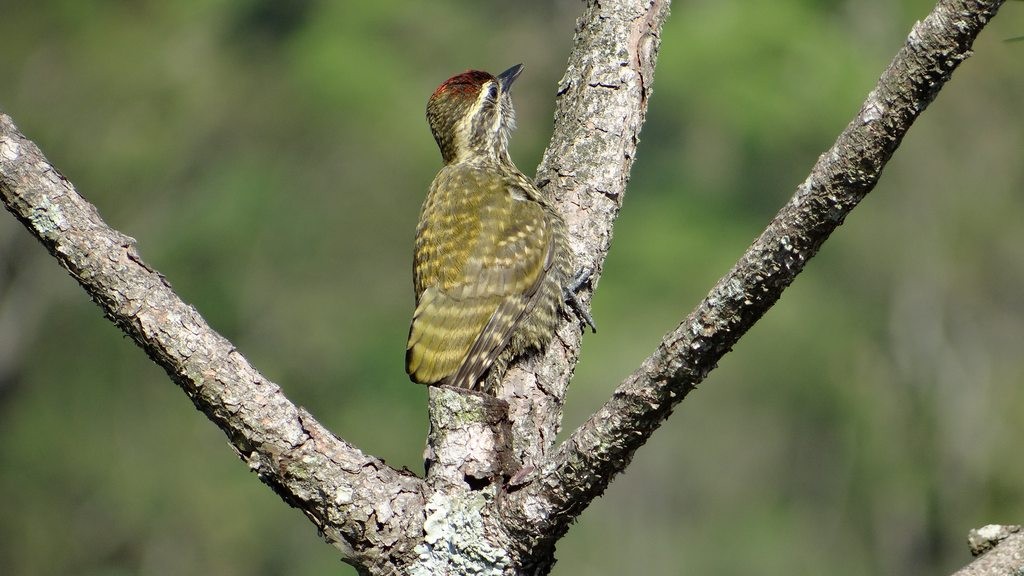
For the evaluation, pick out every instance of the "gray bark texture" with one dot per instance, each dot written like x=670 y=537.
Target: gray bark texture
x=1000 y=552
x=498 y=493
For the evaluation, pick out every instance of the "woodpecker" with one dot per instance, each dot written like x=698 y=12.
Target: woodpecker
x=491 y=258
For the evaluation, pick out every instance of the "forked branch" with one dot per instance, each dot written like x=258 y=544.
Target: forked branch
x=582 y=467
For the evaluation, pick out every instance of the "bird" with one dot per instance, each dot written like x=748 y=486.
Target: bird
x=491 y=259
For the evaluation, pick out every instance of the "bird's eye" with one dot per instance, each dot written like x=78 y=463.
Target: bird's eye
x=492 y=92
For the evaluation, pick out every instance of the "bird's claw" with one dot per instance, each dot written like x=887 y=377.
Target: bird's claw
x=583 y=277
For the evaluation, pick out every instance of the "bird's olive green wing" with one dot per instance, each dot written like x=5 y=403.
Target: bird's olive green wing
x=479 y=260
x=446 y=322
x=443 y=330
x=517 y=304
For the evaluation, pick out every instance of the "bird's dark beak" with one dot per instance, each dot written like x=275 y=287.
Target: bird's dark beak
x=509 y=76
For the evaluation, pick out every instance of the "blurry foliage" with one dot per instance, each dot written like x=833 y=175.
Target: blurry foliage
x=270 y=157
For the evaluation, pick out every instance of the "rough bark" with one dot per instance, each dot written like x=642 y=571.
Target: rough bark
x=498 y=494
x=1000 y=552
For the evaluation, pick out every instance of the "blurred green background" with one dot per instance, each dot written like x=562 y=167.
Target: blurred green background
x=270 y=157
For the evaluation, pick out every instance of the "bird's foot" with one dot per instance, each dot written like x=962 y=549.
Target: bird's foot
x=583 y=277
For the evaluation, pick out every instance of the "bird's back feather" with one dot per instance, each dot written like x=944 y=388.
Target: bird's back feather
x=484 y=249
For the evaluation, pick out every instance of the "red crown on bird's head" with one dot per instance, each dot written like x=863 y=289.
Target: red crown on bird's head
x=466 y=84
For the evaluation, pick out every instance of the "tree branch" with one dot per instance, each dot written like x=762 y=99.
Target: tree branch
x=350 y=496
x=601 y=107
x=1000 y=552
x=582 y=467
